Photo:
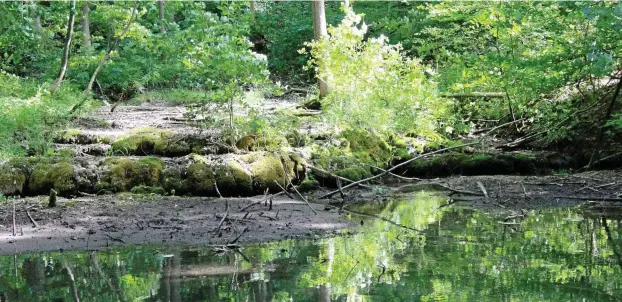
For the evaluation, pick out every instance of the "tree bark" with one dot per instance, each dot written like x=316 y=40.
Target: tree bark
x=162 y=20
x=86 y=26
x=319 y=29
x=36 y=18
x=63 y=65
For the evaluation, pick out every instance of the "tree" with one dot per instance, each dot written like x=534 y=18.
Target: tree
x=86 y=26
x=161 y=15
x=319 y=29
x=65 y=59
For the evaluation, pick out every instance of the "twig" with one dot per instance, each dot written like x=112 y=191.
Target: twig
x=401 y=165
x=284 y=191
x=396 y=175
x=224 y=217
x=34 y=223
x=259 y=202
x=303 y=198
x=238 y=237
x=343 y=196
x=14 y=232
x=601 y=160
x=114 y=238
x=217 y=191
x=457 y=190
x=377 y=217
x=251 y=205
x=524 y=190
x=335 y=175
x=481 y=186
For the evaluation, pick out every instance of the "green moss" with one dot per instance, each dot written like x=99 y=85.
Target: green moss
x=270 y=142
x=12 y=179
x=125 y=173
x=246 y=143
x=147 y=141
x=368 y=147
x=266 y=168
x=354 y=173
x=174 y=183
x=59 y=176
x=308 y=185
x=70 y=134
x=76 y=136
x=143 y=190
x=233 y=179
x=201 y=179
x=195 y=158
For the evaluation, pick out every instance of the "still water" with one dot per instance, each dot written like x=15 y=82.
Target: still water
x=429 y=253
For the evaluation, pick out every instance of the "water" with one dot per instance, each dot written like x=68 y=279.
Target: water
x=435 y=253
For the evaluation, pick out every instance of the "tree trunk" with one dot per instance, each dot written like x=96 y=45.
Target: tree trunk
x=36 y=18
x=162 y=20
x=63 y=65
x=86 y=26
x=319 y=29
x=103 y=60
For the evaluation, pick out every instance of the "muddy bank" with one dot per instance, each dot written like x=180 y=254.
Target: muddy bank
x=124 y=219
x=87 y=224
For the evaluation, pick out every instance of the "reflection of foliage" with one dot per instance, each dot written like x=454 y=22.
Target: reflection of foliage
x=447 y=253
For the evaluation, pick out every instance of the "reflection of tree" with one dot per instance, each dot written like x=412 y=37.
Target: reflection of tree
x=447 y=253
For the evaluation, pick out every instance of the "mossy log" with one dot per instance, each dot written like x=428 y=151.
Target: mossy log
x=488 y=164
x=232 y=174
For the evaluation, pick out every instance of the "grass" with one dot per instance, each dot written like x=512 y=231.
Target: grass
x=30 y=116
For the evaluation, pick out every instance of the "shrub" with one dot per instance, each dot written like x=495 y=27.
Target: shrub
x=373 y=85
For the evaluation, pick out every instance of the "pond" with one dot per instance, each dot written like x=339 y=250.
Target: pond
x=423 y=251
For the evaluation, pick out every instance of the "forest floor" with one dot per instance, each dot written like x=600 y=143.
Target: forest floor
x=87 y=221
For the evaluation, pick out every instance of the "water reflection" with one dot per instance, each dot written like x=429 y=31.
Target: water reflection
x=428 y=252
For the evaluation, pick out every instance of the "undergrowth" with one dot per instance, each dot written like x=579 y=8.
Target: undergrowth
x=29 y=116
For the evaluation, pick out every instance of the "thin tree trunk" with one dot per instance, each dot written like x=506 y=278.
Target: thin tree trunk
x=63 y=65
x=36 y=18
x=319 y=29
x=112 y=46
x=162 y=20
x=86 y=26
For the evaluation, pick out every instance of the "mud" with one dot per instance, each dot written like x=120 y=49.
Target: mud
x=96 y=223
x=90 y=223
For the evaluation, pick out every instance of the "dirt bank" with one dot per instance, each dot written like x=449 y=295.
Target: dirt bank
x=94 y=223
x=103 y=221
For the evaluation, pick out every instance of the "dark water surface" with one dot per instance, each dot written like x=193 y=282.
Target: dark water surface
x=438 y=253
